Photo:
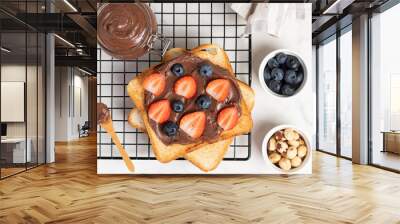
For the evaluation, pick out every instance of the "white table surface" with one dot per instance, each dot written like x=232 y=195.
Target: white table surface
x=269 y=110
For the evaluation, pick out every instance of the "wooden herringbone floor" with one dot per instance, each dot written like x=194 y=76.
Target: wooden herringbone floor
x=69 y=191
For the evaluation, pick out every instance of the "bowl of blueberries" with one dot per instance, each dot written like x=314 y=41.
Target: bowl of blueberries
x=282 y=73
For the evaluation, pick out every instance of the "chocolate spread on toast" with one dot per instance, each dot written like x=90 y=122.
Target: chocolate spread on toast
x=191 y=65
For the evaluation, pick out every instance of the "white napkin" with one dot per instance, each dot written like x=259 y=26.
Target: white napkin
x=262 y=17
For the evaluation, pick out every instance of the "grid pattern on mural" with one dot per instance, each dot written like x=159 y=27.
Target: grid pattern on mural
x=187 y=25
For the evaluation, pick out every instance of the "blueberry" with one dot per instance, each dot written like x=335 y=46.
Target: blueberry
x=170 y=128
x=290 y=77
x=299 y=78
x=277 y=74
x=288 y=90
x=177 y=106
x=274 y=85
x=267 y=74
x=203 y=102
x=292 y=62
x=281 y=58
x=206 y=70
x=177 y=69
x=273 y=63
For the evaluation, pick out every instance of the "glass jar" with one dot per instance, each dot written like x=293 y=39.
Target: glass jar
x=128 y=30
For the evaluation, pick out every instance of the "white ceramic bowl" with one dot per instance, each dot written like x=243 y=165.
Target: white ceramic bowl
x=264 y=148
x=273 y=54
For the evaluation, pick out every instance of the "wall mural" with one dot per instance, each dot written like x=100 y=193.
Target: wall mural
x=204 y=88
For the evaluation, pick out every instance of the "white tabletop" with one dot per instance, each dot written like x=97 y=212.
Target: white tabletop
x=269 y=110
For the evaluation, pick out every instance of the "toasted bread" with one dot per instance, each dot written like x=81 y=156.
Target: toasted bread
x=166 y=153
x=209 y=156
x=206 y=157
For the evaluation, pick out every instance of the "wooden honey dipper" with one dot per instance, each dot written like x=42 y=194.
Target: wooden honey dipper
x=104 y=120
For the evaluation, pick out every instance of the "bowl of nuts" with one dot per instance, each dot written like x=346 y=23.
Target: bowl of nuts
x=287 y=148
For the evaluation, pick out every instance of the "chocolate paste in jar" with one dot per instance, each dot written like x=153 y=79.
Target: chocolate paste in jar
x=125 y=29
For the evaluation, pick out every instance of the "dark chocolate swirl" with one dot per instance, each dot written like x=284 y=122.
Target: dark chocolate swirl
x=124 y=29
x=191 y=66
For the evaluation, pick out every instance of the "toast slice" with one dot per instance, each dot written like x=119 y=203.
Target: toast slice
x=209 y=156
x=166 y=153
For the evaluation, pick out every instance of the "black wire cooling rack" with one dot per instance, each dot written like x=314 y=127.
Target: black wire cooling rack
x=187 y=25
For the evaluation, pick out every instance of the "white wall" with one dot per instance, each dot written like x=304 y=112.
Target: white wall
x=81 y=84
x=70 y=83
x=33 y=127
x=16 y=73
x=61 y=103
x=314 y=80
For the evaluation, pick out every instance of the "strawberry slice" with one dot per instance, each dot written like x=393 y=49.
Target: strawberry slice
x=218 y=89
x=228 y=118
x=160 y=111
x=155 y=83
x=186 y=87
x=193 y=124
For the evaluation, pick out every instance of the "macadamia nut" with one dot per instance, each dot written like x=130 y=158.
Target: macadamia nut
x=296 y=135
x=291 y=152
x=272 y=144
x=296 y=161
x=285 y=164
x=294 y=143
x=290 y=134
x=275 y=157
x=301 y=151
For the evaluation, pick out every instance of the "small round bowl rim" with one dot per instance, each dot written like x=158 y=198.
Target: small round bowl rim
x=269 y=134
x=264 y=63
